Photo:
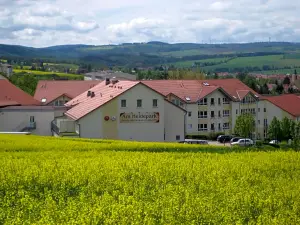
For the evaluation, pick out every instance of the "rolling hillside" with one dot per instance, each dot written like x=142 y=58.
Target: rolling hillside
x=216 y=56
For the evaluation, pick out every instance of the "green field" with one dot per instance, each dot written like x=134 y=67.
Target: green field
x=188 y=64
x=72 y=181
x=43 y=73
x=258 y=61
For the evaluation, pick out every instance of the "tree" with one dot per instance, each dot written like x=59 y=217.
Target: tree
x=279 y=89
x=245 y=125
x=286 y=125
x=286 y=80
x=296 y=135
x=274 y=131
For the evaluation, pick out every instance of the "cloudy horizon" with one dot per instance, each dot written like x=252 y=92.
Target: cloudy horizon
x=57 y=22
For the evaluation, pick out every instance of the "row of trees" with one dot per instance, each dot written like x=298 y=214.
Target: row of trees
x=284 y=130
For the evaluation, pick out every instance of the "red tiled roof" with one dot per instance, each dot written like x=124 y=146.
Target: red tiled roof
x=83 y=104
x=195 y=89
x=12 y=95
x=289 y=103
x=51 y=90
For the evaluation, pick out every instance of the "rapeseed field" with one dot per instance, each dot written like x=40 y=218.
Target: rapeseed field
x=80 y=181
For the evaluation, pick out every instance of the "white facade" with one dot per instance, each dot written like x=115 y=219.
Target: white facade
x=14 y=119
x=167 y=125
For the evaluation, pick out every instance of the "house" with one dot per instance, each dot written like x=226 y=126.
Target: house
x=10 y=95
x=126 y=110
x=21 y=112
x=212 y=105
x=57 y=93
x=6 y=69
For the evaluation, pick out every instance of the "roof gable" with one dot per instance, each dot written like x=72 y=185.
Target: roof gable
x=84 y=104
x=289 y=103
x=198 y=89
x=12 y=95
x=51 y=90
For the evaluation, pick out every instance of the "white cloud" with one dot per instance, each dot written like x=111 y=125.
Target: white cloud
x=31 y=22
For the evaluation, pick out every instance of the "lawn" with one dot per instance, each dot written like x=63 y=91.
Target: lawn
x=78 y=181
x=44 y=73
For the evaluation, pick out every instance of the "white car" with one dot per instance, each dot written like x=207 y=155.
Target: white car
x=243 y=142
x=274 y=142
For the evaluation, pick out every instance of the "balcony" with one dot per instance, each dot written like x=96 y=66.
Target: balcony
x=64 y=127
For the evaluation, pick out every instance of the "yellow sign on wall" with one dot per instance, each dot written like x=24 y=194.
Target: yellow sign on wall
x=140 y=117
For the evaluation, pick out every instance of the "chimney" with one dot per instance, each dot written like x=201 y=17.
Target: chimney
x=92 y=94
x=107 y=81
x=89 y=93
x=114 y=80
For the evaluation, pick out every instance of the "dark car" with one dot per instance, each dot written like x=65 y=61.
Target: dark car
x=224 y=138
x=235 y=139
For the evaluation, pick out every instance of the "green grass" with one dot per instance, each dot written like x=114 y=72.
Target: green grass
x=3 y=60
x=44 y=73
x=80 y=181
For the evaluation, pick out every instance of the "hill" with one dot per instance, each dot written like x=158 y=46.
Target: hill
x=158 y=53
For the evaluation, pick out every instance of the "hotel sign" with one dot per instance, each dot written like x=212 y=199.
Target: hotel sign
x=140 y=117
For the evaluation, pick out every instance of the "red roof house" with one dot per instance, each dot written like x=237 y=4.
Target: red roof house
x=10 y=95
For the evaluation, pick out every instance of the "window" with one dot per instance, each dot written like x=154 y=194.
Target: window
x=202 y=114
x=177 y=102
x=226 y=126
x=258 y=109
x=189 y=114
x=219 y=126
x=123 y=103
x=225 y=101
x=212 y=101
x=265 y=133
x=202 y=127
x=212 y=114
x=177 y=137
x=265 y=110
x=139 y=103
x=31 y=119
x=212 y=126
x=265 y=122
x=154 y=103
x=225 y=113
x=237 y=111
x=202 y=101
x=219 y=101
x=190 y=126
x=258 y=121
x=219 y=114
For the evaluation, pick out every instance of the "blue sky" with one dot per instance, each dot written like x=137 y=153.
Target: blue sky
x=41 y=23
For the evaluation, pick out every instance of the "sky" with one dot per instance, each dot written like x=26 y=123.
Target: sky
x=42 y=23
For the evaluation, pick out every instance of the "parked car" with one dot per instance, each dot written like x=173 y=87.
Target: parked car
x=274 y=142
x=194 y=141
x=243 y=142
x=224 y=138
x=235 y=139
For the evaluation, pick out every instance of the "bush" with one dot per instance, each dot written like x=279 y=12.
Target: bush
x=210 y=136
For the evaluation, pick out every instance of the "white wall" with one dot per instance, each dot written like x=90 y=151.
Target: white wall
x=194 y=120
x=142 y=131
x=12 y=119
x=174 y=123
x=90 y=125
